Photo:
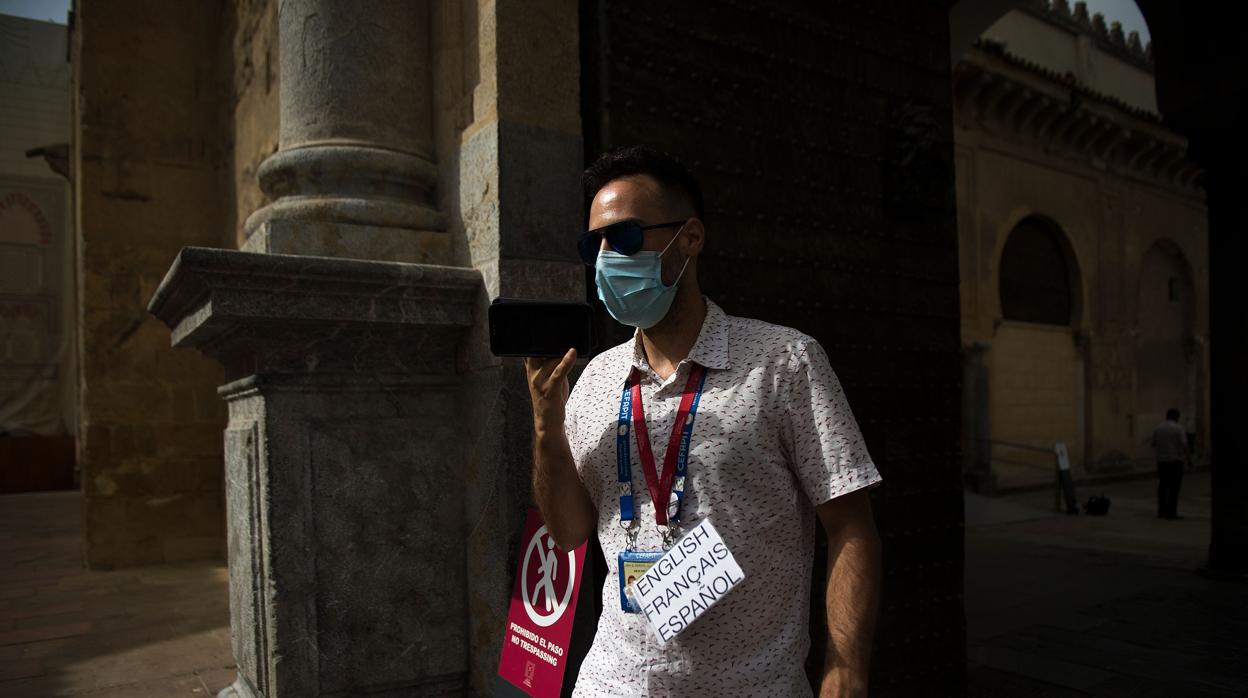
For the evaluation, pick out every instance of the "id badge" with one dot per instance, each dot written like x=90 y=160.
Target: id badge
x=633 y=564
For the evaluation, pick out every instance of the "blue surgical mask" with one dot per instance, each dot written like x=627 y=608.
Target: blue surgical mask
x=631 y=286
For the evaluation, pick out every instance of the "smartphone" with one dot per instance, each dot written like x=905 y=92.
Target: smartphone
x=524 y=327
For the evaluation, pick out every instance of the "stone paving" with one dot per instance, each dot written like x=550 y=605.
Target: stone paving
x=144 y=632
x=1062 y=605
x=1056 y=605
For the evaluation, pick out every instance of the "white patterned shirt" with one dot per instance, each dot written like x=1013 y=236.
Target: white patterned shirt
x=773 y=438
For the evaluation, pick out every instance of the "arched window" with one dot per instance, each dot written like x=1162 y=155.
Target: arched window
x=1035 y=277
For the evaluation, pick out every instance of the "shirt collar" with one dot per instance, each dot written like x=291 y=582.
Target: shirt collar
x=709 y=350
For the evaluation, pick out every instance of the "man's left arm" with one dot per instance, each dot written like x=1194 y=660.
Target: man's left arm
x=853 y=592
x=829 y=456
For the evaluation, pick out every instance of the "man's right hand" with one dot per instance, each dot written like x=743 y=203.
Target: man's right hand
x=548 y=388
x=557 y=488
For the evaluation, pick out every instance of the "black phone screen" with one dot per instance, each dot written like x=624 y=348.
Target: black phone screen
x=540 y=328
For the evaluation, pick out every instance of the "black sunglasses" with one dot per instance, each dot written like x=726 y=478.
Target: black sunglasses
x=624 y=237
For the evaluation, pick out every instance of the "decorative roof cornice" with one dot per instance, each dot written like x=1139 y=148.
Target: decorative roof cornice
x=1066 y=79
x=1007 y=96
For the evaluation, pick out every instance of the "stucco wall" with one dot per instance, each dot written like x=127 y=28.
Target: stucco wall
x=149 y=174
x=1109 y=219
x=1037 y=391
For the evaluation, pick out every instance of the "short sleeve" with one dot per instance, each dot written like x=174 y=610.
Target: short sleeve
x=572 y=409
x=825 y=446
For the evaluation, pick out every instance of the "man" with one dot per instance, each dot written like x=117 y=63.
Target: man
x=1170 y=442
x=772 y=444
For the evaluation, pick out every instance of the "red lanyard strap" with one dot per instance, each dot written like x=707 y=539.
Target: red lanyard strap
x=677 y=446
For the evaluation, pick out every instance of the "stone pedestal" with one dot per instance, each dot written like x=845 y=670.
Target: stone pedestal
x=344 y=462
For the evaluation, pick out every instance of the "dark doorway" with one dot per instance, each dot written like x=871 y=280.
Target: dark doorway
x=822 y=137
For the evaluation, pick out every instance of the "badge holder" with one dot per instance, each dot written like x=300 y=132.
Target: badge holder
x=633 y=563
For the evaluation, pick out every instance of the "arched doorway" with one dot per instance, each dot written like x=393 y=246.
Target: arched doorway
x=1036 y=370
x=1166 y=360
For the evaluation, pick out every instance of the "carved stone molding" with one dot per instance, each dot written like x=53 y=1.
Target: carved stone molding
x=1010 y=98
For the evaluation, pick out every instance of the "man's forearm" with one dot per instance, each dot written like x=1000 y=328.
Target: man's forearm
x=852 y=604
x=566 y=509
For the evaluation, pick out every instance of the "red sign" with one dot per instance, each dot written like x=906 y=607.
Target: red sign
x=543 y=603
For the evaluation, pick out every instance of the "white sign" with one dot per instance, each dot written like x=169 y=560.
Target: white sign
x=697 y=572
x=1063 y=461
x=549 y=574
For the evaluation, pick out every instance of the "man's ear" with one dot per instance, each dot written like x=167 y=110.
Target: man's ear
x=694 y=238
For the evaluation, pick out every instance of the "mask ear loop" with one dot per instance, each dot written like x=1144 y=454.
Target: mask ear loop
x=683 y=266
x=669 y=242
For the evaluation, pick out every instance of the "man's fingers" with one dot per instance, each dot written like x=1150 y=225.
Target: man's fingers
x=565 y=364
x=539 y=370
x=561 y=370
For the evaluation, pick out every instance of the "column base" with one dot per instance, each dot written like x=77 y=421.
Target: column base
x=351 y=200
x=351 y=241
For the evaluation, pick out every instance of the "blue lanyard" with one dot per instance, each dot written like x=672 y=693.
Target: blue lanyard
x=624 y=468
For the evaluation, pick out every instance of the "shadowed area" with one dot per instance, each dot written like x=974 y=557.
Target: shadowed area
x=1100 y=605
x=162 y=630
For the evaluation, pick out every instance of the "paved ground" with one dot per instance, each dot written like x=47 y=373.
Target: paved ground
x=1040 y=474
x=144 y=633
x=1104 y=606
x=1056 y=605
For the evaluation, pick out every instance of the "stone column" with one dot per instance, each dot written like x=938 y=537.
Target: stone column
x=346 y=442
x=354 y=173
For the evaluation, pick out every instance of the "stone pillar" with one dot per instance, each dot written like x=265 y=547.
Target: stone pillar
x=508 y=127
x=346 y=443
x=354 y=174
x=344 y=466
x=1228 y=535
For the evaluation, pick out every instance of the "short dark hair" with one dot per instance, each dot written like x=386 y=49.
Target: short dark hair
x=1172 y=413
x=673 y=176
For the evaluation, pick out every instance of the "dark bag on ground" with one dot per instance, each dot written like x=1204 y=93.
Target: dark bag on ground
x=1097 y=505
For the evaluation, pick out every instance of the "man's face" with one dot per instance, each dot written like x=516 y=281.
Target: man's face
x=639 y=198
